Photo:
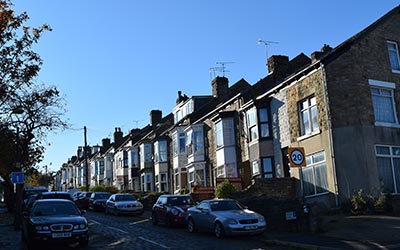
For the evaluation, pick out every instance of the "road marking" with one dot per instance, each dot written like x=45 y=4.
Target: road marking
x=95 y=222
x=138 y=222
x=153 y=242
x=119 y=230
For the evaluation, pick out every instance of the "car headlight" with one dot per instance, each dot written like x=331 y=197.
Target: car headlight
x=174 y=211
x=80 y=226
x=261 y=219
x=231 y=221
x=40 y=228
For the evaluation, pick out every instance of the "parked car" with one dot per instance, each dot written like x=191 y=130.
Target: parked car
x=75 y=195
x=82 y=201
x=123 y=204
x=224 y=217
x=45 y=195
x=54 y=220
x=171 y=209
x=97 y=200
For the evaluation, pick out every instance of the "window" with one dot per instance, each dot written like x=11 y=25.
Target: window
x=308 y=116
x=252 y=124
x=264 y=124
x=255 y=169
x=267 y=167
x=224 y=133
x=198 y=147
x=218 y=134
x=394 y=56
x=135 y=159
x=383 y=102
x=315 y=177
x=388 y=161
x=125 y=154
x=221 y=171
x=200 y=177
x=101 y=167
x=160 y=151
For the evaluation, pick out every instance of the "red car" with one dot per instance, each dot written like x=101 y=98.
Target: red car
x=171 y=209
x=82 y=201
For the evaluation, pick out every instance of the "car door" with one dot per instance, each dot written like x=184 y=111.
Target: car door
x=200 y=215
x=110 y=203
x=161 y=208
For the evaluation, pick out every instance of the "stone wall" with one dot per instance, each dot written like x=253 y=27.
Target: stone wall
x=275 y=200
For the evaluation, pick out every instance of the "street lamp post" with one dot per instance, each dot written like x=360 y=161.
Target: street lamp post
x=18 y=189
x=18 y=186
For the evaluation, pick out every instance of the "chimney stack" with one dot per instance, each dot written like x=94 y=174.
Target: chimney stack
x=155 y=117
x=278 y=65
x=316 y=55
x=220 y=87
x=118 y=135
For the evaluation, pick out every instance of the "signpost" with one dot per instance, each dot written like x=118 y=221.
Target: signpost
x=17 y=177
x=297 y=157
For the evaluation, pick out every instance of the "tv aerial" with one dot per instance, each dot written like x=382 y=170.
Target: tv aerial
x=222 y=68
x=266 y=43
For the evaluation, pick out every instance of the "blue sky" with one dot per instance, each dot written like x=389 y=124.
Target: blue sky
x=115 y=61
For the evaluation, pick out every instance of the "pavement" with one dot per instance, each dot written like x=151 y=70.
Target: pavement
x=337 y=232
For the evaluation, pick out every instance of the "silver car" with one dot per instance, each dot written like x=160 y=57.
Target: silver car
x=224 y=217
x=123 y=204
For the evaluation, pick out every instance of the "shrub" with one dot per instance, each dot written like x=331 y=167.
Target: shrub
x=101 y=188
x=362 y=203
x=225 y=190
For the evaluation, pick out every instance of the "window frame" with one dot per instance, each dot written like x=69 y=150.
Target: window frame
x=381 y=86
x=252 y=124
x=396 y=51
x=391 y=156
x=301 y=110
x=312 y=165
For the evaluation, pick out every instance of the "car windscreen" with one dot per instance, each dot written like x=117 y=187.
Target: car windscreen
x=102 y=196
x=125 y=197
x=224 y=205
x=180 y=201
x=54 y=209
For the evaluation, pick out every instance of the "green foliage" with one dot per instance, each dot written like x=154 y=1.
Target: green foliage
x=362 y=203
x=225 y=190
x=184 y=191
x=101 y=188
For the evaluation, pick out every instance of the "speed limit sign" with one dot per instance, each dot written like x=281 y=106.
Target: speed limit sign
x=297 y=157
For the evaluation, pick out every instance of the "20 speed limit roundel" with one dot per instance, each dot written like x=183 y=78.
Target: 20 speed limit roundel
x=297 y=157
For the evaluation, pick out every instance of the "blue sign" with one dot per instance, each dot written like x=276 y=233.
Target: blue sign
x=17 y=177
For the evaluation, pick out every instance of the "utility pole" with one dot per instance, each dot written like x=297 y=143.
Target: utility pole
x=86 y=160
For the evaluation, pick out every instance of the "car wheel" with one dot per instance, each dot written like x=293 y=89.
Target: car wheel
x=168 y=220
x=218 y=230
x=154 y=219
x=191 y=226
x=84 y=243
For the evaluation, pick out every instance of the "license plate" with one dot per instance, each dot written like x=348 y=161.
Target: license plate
x=250 y=227
x=61 y=235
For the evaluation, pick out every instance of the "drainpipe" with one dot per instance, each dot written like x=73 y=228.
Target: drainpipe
x=328 y=121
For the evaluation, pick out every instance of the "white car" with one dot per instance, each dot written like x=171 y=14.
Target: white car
x=123 y=204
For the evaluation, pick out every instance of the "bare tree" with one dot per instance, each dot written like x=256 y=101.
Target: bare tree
x=28 y=110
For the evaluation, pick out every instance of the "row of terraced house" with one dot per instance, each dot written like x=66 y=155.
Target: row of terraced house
x=340 y=104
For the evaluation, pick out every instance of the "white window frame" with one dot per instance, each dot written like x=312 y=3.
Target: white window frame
x=388 y=86
x=312 y=165
x=396 y=53
x=390 y=156
x=314 y=128
x=252 y=124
